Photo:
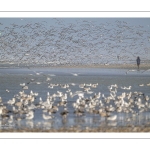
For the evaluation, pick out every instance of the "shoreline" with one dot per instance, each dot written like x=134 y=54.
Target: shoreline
x=86 y=130
x=111 y=66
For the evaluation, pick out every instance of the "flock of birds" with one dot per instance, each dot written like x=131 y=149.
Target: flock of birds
x=22 y=106
x=81 y=42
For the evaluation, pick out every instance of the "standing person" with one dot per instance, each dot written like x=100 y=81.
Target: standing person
x=138 y=61
x=118 y=57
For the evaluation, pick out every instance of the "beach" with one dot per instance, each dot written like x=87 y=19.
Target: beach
x=61 y=87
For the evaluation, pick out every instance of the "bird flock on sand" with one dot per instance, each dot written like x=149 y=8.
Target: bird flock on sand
x=22 y=106
x=80 y=42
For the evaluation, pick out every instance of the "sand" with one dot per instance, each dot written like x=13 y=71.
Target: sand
x=128 y=129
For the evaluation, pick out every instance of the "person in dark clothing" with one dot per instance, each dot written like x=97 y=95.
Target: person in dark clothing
x=138 y=61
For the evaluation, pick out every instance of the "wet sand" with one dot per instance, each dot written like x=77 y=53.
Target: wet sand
x=143 y=66
x=87 y=129
x=111 y=66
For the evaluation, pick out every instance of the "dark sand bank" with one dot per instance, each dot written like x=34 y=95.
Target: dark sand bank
x=112 y=66
x=87 y=129
x=115 y=66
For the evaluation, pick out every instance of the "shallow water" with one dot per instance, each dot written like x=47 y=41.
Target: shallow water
x=10 y=79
